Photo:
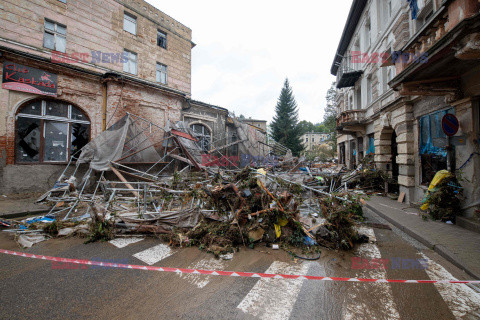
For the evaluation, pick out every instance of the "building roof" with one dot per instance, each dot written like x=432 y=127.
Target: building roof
x=353 y=18
x=207 y=105
x=254 y=120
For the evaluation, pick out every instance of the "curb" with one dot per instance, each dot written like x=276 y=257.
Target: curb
x=22 y=214
x=440 y=249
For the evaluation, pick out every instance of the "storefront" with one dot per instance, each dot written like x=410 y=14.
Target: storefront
x=50 y=111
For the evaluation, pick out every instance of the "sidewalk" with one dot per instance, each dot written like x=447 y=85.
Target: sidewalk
x=13 y=206
x=456 y=244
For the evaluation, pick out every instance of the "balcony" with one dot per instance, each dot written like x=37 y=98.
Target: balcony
x=347 y=73
x=351 y=121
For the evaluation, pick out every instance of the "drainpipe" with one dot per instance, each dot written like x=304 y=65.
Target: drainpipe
x=104 y=104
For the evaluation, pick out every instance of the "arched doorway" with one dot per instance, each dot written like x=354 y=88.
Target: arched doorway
x=386 y=156
x=394 y=152
x=49 y=131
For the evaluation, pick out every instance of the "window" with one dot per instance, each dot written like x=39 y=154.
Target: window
x=131 y=65
x=433 y=157
x=371 y=144
x=233 y=150
x=129 y=23
x=202 y=133
x=50 y=131
x=161 y=73
x=360 y=148
x=390 y=73
x=55 y=36
x=369 y=90
x=358 y=98
x=368 y=29
x=313 y=139
x=161 y=39
x=388 y=11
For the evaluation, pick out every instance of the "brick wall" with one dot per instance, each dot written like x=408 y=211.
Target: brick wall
x=98 y=25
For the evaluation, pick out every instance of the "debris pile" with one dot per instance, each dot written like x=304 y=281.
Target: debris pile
x=442 y=200
x=122 y=183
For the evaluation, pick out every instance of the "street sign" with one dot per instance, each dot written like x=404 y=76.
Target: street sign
x=450 y=124
x=458 y=140
x=455 y=141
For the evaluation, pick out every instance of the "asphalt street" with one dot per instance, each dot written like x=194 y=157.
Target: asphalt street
x=38 y=289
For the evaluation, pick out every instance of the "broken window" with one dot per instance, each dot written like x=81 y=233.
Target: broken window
x=161 y=73
x=55 y=36
x=28 y=140
x=50 y=131
x=202 y=133
x=130 y=23
x=131 y=65
x=432 y=144
x=161 y=39
x=233 y=150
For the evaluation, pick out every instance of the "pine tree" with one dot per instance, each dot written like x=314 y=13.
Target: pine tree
x=285 y=129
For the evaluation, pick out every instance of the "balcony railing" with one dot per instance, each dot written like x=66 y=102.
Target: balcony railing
x=348 y=73
x=350 y=118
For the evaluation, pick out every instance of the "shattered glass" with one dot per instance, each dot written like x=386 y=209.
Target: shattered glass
x=28 y=140
x=56 y=135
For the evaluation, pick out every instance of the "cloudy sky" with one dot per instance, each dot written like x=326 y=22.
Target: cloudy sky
x=246 y=49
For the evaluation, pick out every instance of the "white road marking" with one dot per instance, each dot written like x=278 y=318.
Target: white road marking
x=463 y=301
x=274 y=299
x=123 y=242
x=356 y=307
x=154 y=254
x=205 y=264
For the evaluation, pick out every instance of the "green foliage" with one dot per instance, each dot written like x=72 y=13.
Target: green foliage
x=330 y=116
x=323 y=152
x=51 y=228
x=296 y=239
x=341 y=217
x=375 y=180
x=101 y=231
x=285 y=129
x=444 y=201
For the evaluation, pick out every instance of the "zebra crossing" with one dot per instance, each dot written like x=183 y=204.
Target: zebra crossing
x=270 y=299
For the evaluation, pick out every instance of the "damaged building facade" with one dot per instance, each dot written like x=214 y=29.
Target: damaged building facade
x=71 y=69
x=399 y=70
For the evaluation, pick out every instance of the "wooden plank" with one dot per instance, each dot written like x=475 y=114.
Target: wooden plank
x=122 y=178
x=177 y=157
x=183 y=135
x=187 y=154
x=401 y=197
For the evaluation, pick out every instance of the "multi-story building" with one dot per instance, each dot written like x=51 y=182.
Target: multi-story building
x=312 y=139
x=373 y=30
x=72 y=68
x=393 y=106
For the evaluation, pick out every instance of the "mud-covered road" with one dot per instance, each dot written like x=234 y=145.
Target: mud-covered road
x=38 y=289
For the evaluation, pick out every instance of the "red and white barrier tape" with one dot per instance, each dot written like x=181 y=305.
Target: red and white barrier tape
x=220 y=273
